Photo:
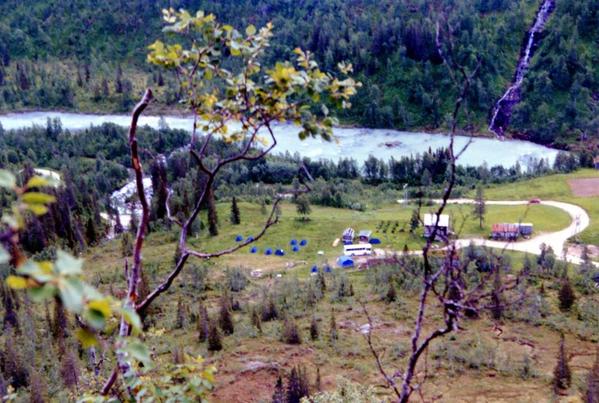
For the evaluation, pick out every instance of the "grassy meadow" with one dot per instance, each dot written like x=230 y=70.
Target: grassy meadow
x=514 y=363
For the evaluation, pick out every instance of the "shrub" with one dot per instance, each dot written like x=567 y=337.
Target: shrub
x=314 y=329
x=225 y=320
x=391 y=293
x=269 y=310
x=291 y=334
x=333 y=327
x=214 y=339
x=181 y=316
x=592 y=390
x=203 y=323
x=566 y=295
x=68 y=370
x=278 y=395
x=236 y=279
x=126 y=245
x=562 y=376
x=256 y=321
x=297 y=385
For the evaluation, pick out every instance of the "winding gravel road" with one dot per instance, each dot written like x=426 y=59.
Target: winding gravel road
x=557 y=240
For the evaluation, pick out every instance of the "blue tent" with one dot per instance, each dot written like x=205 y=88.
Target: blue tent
x=254 y=250
x=250 y=239
x=280 y=252
x=238 y=238
x=295 y=249
x=303 y=242
x=268 y=251
x=345 y=261
x=314 y=269
x=375 y=241
x=293 y=242
x=327 y=269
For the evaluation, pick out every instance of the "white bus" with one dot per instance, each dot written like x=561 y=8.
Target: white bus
x=358 y=249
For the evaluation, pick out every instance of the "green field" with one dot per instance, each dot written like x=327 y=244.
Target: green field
x=553 y=187
x=453 y=358
x=324 y=226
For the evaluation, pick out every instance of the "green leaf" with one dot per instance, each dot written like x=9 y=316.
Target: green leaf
x=37 y=182
x=250 y=30
x=38 y=209
x=71 y=294
x=7 y=179
x=95 y=318
x=4 y=256
x=37 y=198
x=67 y=264
x=43 y=293
x=16 y=282
x=87 y=338
x=139 y=351
x=131 y=317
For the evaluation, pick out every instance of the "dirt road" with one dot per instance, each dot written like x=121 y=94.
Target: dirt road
x=557 y=240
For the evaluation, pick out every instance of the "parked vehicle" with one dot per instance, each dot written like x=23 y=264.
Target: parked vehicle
x=360 y=249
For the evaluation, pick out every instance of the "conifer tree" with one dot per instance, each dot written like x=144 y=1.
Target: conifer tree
x=203 y=323
x=479 y=206
x=90 y=232
x=235 y=217
x=297 y=385
x=181 y=316
x=291 y=334
x=414 y=222
x=14 y=367
x=497 y=303
x=317 y=383
x=256 y=320
x=566 y=295
x=269 y=310
x=225 y=319
x=37 y=390
x=562 y=376
x=592 y=390
x=391 y=295
x=10 y=315
x=314 y=328
x=333 y=327
x=214 y=339
x=212 y=216
x=126 y=245
x=279 y=394
x=69 y=370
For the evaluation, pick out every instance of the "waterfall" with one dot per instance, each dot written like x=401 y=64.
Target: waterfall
x=502 y=111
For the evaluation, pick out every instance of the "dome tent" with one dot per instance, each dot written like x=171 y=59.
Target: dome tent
x=254 y=249
x=345 y=261
x=268 y=252
x=239 y=238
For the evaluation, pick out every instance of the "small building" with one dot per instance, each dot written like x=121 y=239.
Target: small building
x=430 y=220
x=526 y=229
x=507 y=232
x=364 y=236
x=348 y=236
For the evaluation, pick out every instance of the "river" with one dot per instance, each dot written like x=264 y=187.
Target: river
x=357 y=143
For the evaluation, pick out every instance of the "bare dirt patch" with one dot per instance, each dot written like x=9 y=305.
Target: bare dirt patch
x=585 y=187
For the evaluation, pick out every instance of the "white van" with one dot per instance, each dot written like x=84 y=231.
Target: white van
x=358 y=249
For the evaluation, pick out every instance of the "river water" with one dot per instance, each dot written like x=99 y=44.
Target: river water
x=357 y=143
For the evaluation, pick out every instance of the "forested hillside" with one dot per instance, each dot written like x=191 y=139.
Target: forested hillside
x=89 y=55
